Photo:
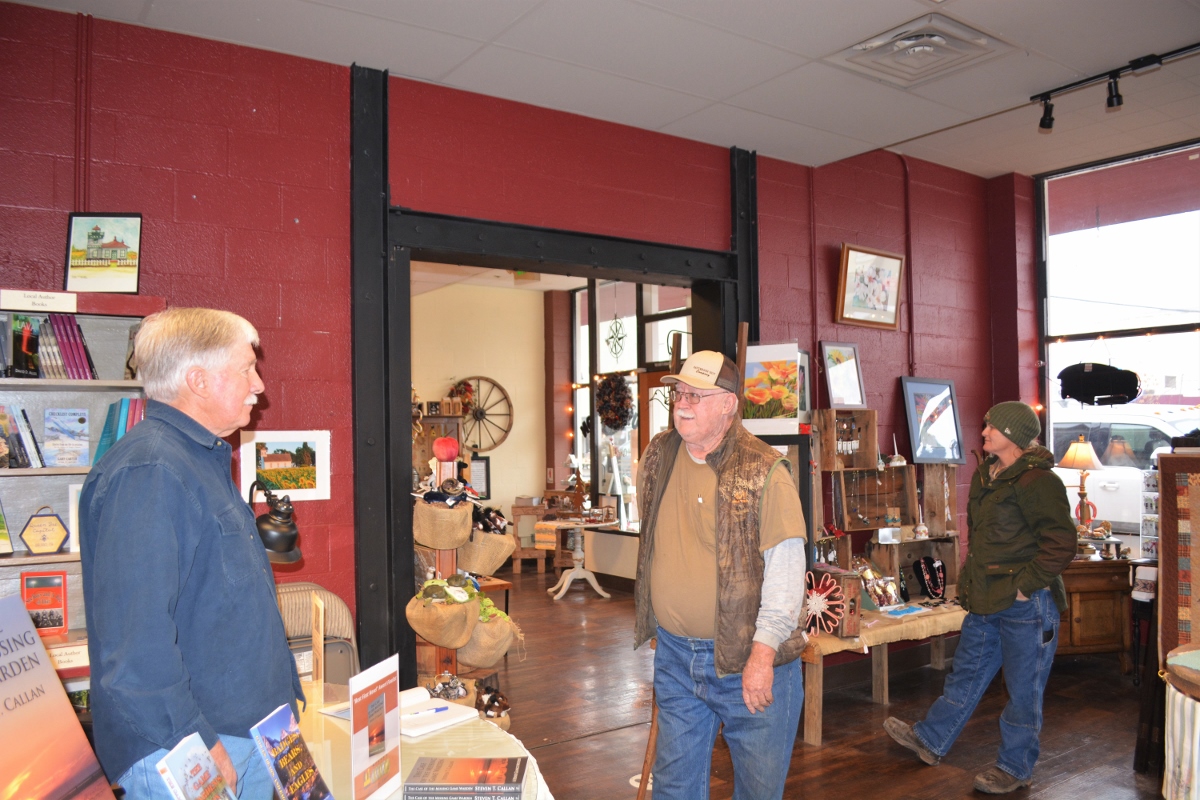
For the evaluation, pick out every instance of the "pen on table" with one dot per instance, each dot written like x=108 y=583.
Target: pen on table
x=423 y=712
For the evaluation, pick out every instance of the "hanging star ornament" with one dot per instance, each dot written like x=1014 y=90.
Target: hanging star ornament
x=616 y=337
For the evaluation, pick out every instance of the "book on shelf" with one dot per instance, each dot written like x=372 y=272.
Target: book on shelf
x=45 y=597
x=108 y=434
x=5 y=352
x=45 y=752
x=66 y=346
x=67 y=442
x=27 y=434
x=14 y=455
x=50 y=355
x=466 y=778
x=287 y=758
x=190 y=772
x=6 y=547
x=24 y=346
x=87 y=353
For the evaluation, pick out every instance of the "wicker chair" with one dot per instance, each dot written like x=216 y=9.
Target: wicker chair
x=341 y=645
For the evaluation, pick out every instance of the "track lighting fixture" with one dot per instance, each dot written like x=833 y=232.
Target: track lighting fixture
x=1137 y=66
x=1114 y=94
x=1047 y=121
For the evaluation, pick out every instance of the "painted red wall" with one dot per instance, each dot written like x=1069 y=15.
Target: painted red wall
x=455 y=152
x=238 y=160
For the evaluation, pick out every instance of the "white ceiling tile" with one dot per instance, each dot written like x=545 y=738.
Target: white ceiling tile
x=469 y=18
x=834 y=100
x=1090 y=36
x=810 y=29
x=501 y=72
x=735 y=127
x=643 y=43
x=1012 y=79
x=288 y=26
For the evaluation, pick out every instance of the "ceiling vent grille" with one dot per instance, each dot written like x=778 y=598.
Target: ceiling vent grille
x=929 y=47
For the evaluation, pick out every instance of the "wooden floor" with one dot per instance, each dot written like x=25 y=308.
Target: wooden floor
x=581 y=704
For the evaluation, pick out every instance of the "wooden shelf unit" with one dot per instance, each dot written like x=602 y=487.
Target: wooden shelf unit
x=837 y=430
x=894 y=558
x=861 y=497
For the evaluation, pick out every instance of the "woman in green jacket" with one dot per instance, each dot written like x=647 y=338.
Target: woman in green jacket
x=1022 y=537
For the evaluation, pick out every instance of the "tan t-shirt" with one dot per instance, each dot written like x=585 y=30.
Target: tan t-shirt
x=683 y=566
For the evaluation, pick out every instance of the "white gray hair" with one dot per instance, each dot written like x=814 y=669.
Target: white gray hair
x=171 y=342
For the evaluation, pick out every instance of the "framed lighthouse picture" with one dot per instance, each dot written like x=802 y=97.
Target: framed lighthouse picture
x=104 y=252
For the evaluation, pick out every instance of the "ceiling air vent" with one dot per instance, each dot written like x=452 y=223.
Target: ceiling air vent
x=932 y=46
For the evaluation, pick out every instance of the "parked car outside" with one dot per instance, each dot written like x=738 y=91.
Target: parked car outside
x=1126 y=439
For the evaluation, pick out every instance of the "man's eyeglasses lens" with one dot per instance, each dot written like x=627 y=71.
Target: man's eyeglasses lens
x=692 y=397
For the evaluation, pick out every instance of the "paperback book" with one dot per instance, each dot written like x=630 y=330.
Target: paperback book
x=190 y=772
x=45 y=598
x=466 y=778
x=287 y=757
x=66 y=441
x=24 y=346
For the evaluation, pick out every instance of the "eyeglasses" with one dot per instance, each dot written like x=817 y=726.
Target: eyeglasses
x=692 y=397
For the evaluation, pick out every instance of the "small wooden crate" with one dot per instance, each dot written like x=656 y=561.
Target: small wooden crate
x=861 y=497
x=894 y=558
x=847 y=438
x=939 y=493
x=851 y=586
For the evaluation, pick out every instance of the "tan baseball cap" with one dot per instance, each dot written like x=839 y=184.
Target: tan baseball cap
x=707 y=369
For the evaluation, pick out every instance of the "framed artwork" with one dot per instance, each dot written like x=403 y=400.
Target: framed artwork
x=933 y=427
x=869 y=285
x=433 y=408
x=775 y=393
x=481 y=479
x=843 y=375
x=103 y=252
x=292 y=463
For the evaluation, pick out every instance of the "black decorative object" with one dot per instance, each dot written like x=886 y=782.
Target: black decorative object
x=616 y=337
x=276 y=528
x=614 y=401
x=1100 y=384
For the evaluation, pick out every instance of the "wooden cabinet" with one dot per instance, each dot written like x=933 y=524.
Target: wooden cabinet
x=1098 y=615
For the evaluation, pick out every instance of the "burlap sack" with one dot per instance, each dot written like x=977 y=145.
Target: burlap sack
x=489 y=642
x=439 y=527
x=484 y=553
x=447 y=625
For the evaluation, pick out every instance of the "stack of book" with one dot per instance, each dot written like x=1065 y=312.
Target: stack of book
x=53 y=346
x=65 y=442
x=122 y=415
x=434 y=778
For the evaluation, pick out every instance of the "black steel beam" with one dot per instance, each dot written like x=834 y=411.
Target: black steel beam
x=483 y=243
x=743 y=184
x=400 y=447
x=368 y=257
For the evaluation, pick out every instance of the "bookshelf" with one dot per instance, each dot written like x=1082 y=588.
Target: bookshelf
x=106 y=321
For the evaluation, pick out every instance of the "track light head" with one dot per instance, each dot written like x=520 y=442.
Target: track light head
x=1047 y=121
x=1114 y=94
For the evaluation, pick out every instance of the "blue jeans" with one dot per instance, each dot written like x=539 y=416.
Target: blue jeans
x=1022 y=638
x=142 y=781
x=693 y=702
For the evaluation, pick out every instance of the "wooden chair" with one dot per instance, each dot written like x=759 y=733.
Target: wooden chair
x=651 y=742
x=534 y=513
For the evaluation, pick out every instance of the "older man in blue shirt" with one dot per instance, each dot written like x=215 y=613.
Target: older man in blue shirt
x=184 y=633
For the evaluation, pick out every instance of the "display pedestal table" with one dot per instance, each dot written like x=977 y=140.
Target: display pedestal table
x=578 y=570
x=328 y=739
x=877 y=631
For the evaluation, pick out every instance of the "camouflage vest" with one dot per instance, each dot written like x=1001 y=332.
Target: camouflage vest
x=743 y=464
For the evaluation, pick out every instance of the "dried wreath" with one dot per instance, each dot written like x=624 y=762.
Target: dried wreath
x=465 y=392
x=614 y=401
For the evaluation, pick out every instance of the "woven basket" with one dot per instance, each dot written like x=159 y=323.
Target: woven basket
x=489 y=642
x=484 y=553
x=439 y=527
x=448 y=625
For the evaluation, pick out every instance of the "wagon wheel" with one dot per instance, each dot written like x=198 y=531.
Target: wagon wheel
x=490 y=419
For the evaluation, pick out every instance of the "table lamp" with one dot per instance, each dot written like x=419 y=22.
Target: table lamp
x=276 y=528
x=1082 y=456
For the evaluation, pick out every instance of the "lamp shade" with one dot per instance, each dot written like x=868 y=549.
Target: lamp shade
x=1081 y=455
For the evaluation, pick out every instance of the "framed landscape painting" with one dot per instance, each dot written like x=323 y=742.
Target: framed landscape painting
x=869 y=284
x=933 y=427
x=103 y=253
x=292 y=463
x=843 y=375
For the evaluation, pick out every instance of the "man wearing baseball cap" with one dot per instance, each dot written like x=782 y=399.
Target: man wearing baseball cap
x=1022 y=538
x=720 y=583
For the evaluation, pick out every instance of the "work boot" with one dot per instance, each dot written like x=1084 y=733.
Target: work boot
x=904 y=735
x=994 y=780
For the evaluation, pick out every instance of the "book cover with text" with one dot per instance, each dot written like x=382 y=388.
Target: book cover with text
x=66 y=442
x=287 y=757
x=190 y=772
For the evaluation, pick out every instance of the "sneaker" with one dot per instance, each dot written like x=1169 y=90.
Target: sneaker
x=994 y=780
x=903 y=733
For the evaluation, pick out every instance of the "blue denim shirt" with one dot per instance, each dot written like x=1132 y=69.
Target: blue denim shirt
x=184 y=631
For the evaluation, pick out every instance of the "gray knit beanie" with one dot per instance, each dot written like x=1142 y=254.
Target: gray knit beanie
x=1018 y=422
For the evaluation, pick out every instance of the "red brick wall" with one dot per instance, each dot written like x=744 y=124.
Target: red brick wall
x=238 y=160
x=455 y=152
